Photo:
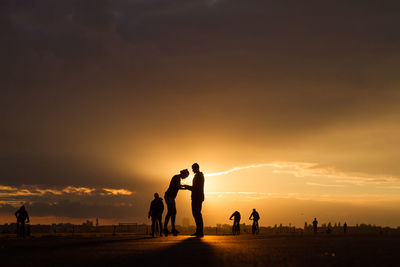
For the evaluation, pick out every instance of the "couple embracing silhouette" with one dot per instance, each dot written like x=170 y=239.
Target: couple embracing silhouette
x=197 y=189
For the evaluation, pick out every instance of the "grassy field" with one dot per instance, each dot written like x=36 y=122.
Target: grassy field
x=244 y=250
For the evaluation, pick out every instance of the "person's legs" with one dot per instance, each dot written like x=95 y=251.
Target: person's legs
x=195 y=216
x=198 y=218
x=18 y=229
x=237 y=227
x=168 y=215
x=166 y=220
x=23 y=229
x=257 y=228
x=153 y=225
x=159 y=219
x=173 y=215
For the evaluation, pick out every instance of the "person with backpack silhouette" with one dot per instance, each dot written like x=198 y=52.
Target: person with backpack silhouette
x=155 y=212
x=22 y=215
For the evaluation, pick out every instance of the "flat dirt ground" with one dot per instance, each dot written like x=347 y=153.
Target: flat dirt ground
x=244 y=250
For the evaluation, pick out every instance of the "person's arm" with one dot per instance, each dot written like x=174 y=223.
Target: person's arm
x=184 y=186
x=251 y=215
x=179 y=185
x=230 y=218
x=27 y=217
x=190 y=187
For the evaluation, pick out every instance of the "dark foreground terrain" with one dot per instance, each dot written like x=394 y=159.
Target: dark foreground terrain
x=244 y=250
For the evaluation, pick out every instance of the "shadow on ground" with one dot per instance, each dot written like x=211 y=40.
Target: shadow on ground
x=188 y=252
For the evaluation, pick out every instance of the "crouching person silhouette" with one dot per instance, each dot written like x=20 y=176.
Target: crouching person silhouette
x=155 y=212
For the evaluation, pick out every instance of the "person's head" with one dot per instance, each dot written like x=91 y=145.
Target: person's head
x=156 y=195
x=254 y=209
x=23 y=207
x=184 y=173
x=195 y=168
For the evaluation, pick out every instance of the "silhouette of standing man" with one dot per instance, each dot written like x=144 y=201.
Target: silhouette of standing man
x=169 y=197
x=197 y=189
x=22 y=216
x=315 y=225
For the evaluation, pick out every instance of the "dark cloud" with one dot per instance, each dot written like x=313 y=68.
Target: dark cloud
x=74 y=202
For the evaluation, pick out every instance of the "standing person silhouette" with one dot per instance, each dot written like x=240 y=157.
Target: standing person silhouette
x=155 y=212
x=22 y=216
x=345 y=227
x=315 y=225
x=236 y=223
x=197 y=189
x=169 y=197
x=255 y=217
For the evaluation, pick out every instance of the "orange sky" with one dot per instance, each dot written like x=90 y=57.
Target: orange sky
x=104 y=101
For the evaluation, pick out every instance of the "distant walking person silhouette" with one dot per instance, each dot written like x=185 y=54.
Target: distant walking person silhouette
x=315 y=225
x=169 y=197
x=345 y=227
x=236 y=223
x=255 y=217
x=155 y=212
x=197 y=189
x=22 y=216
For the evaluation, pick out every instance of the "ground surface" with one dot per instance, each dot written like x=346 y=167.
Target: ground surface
x=244 y=250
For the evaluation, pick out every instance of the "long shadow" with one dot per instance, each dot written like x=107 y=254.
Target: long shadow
x=70 y=243
x=189 y=252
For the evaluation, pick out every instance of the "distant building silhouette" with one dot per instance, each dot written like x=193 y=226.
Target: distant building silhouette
x=185 y=222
